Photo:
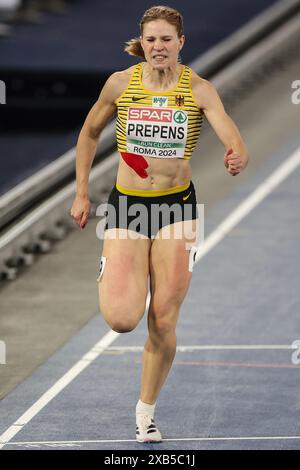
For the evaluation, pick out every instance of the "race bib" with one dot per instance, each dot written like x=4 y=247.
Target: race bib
x=157 y=132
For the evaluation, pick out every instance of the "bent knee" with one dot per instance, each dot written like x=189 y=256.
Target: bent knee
x=121 y=319
x=121 y=325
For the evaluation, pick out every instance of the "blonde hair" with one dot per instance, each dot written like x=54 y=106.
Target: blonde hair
x=172 y=16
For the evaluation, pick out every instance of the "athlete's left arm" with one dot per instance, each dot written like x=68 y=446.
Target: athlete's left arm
x=208 y=99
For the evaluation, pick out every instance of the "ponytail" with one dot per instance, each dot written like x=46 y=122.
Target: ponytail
x=134 y=47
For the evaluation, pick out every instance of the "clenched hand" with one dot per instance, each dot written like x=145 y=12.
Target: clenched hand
x=234 y=162
x=80 y=210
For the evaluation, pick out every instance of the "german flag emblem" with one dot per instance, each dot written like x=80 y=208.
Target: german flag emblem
x=179 y=100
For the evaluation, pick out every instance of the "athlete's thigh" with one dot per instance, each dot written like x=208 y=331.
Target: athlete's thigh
x=171 y=262
x=124 y=279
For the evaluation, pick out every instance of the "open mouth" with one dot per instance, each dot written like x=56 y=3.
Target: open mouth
x=159 y=57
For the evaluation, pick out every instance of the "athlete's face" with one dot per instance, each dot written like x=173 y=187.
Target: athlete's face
x=161 y=44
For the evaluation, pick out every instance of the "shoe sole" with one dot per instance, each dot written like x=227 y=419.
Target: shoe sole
x=148 y=441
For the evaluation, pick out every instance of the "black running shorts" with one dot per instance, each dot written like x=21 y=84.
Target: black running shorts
x=146 y=215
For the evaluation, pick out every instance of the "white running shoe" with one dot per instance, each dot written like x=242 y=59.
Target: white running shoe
x=146 y=430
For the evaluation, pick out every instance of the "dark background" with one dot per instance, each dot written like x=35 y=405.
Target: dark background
x=54 y=71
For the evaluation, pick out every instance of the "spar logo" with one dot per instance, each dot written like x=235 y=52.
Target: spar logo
x=157 y=115
x=180 y=117
x=150 y=114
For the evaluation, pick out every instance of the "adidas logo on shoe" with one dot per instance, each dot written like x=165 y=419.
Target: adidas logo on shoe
x=146 y=430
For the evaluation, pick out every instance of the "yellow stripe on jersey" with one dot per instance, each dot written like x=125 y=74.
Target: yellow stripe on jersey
x=163 y=125
x=152 y=192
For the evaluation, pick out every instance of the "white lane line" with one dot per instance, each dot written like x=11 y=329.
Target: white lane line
x=212 y=347
x=103 y=441
x=58 y=387
x=282 y=172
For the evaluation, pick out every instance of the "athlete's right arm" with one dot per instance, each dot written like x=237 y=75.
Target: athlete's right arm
x=97 y=118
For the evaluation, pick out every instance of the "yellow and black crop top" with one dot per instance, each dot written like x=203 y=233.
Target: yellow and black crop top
x=161 y=125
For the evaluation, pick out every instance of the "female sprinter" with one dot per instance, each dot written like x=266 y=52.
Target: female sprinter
x=160 y=105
